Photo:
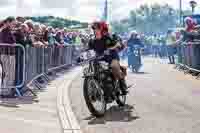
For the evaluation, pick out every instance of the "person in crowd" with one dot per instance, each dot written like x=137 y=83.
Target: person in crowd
x=134 y=40
x=44 y=35
x=163 y=51
x=59 y=38
x=22 y=36
x=190 y=24
x=2 y=26
x=37 y=36
x=171 y=46
x=30 y=25
x=50 y=37
x=21 y=19
x=66 y=37
x=155 y=45
x=78 y=40
x=6 y=33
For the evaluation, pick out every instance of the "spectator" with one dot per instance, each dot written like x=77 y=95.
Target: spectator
x=2 y=26
x=22 y=36
x=44 y=35
x=50 y=35
x=134 y=40
x=155 y=45
x=78 y=40
x=37 y=36
x=66 y=38
x=30 y=25
x=21 y=19
x=7 y=35
x=171 y=49
x=190 y=25
x=59 y=38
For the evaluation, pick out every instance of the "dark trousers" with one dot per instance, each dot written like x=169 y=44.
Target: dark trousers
x=171 y=51
x=155 y=50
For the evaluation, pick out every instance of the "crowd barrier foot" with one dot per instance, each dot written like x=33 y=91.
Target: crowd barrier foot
x=176 y=66
x=18 y=92
x=40 y=80
x=27 y=90
x=37 y=84
x=43 y=79
x=46 y=77
x=180 y=69
x=186 y=71
x=198 y=76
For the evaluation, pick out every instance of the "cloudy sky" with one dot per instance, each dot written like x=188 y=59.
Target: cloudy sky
x=84 y=10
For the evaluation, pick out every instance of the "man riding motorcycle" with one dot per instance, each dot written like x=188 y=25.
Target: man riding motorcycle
x=132 y=42
x=102 y=42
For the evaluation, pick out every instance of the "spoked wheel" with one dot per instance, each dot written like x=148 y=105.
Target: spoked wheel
x=94 y=97
x=121 y=99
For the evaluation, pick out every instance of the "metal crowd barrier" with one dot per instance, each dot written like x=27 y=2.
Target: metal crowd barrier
x=19 y=65
x=11 y=56
x=189 y=57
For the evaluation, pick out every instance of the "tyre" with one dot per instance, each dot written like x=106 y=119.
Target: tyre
x=93 y=93
x=120 y=99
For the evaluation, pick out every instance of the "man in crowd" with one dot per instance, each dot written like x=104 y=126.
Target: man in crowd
x=133 y=41
x=7 y=35
x=155 y=45
x=171 y=46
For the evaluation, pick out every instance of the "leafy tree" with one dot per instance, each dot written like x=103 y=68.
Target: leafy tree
x=151 y=19
x=56 y=22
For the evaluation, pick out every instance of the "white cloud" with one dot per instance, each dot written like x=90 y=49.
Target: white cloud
x=85 y=10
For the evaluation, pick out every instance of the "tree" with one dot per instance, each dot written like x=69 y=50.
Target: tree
x=151 y=19
x=56 y=22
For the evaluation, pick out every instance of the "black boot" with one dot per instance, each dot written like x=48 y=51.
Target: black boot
x=173 y=60
x=123 y=86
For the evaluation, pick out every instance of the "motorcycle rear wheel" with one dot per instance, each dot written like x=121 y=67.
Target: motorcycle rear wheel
x=121 y=99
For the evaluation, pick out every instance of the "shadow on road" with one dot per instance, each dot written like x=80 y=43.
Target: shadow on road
x=140 y=72
x=114 y=113
x=16 y=102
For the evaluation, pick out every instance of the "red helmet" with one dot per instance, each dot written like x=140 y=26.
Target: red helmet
x=102 y=26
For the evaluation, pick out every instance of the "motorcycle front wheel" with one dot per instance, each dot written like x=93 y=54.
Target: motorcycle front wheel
x=94 y=97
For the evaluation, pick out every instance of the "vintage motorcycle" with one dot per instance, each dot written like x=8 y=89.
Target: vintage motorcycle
x=99 y=86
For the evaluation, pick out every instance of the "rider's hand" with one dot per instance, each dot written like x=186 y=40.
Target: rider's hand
x=106 y=52
x=118 y=45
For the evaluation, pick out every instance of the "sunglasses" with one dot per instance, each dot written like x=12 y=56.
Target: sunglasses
x=96 y=26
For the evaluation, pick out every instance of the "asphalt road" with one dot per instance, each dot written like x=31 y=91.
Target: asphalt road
x=164 y=100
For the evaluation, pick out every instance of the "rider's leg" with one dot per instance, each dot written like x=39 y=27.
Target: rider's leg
x=119 y=75
x=116 y=69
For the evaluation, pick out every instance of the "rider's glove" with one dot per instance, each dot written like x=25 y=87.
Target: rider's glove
x=106 y=52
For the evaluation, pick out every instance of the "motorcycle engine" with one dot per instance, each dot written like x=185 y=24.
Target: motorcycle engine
x=105 y=76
